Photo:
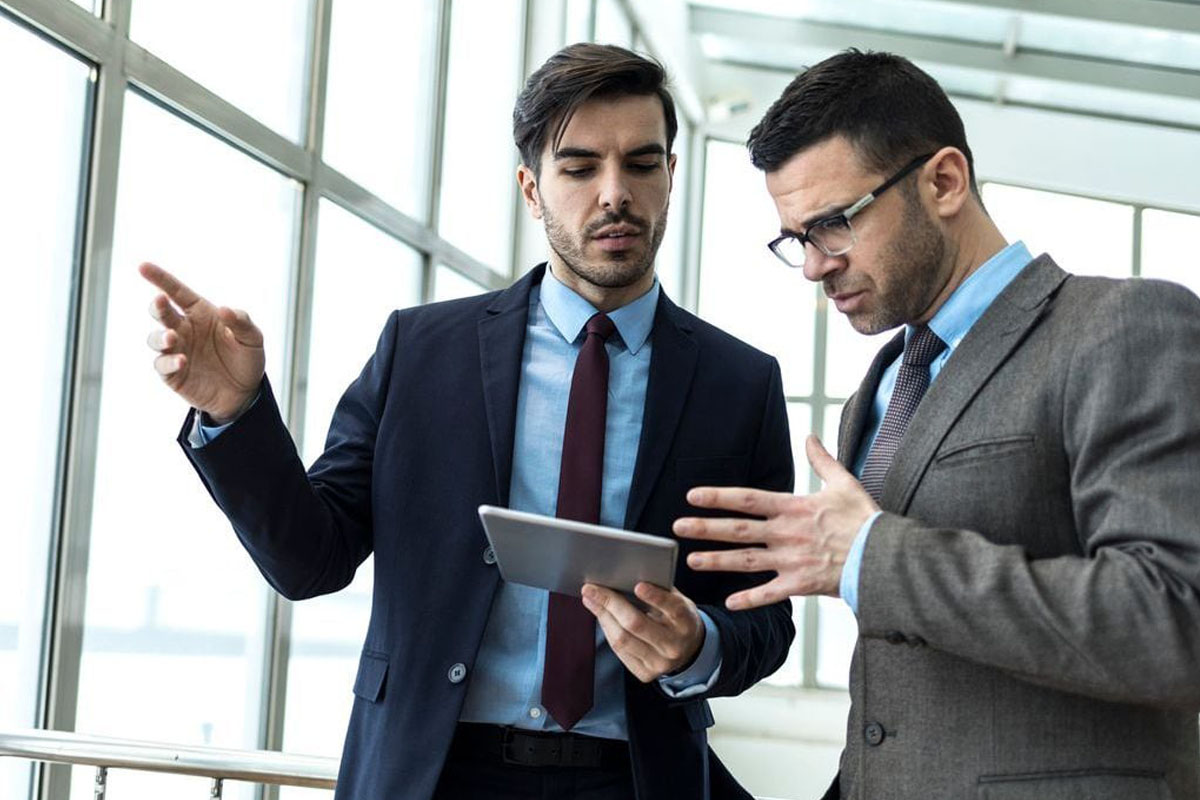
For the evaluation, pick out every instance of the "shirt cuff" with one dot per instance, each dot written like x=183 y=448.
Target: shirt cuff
x=702 y=674
x=202 y=434
x=848 y=587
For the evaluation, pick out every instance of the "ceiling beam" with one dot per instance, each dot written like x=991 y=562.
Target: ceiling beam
x=1173 y=15
x=746 y=34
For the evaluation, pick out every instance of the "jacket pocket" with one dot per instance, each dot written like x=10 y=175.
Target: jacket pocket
x=1098 y=784
x=372 y=676
x=985 y=449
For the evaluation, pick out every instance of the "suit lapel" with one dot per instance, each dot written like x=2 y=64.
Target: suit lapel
x=501 y=343
x=860 y=403
x=672 y=364
x=988 y=345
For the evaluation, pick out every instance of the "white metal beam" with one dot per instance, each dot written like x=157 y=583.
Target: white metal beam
x=1171 y=15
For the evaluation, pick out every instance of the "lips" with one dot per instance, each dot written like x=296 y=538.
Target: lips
x=617 y=237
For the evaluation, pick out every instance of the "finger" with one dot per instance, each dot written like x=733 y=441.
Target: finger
x=753 y=559
x=169 y=284
x=634 y=653
x=762 y=595
x=162 y=311
x=740 y=531
x=673 y=605
x=747 y=501
x=168 y=365
x=826 y=466
x=162 y=341
x=240 y=326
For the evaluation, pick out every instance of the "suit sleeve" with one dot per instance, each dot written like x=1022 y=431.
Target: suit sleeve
x=755 y=643
x=1120 y=621
x=307 y=533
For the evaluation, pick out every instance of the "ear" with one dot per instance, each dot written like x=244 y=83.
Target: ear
x=948 y=177
x=671 y=172
x=527 y=181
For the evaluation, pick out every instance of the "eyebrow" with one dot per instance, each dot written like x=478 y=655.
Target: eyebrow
x=582 y=152
x=828 y=211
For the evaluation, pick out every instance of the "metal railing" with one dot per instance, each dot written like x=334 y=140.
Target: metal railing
x=216 y=764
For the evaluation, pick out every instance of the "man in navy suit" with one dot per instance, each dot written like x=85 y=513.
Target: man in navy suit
x=470 y=402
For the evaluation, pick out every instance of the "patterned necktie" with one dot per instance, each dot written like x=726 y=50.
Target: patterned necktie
x=911 y=382
x=569 y=674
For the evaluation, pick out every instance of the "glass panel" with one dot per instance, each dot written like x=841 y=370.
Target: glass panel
x=833 y=418
x=669 y=263
x=848 y=354
x=382 y=50
x=1169 y=247
x=449 y=284
x=837 y=630
x=612 y=26
x=90 y=5
x=792 y=671
x=45 y=95
x=479 y=186
x=578 y=23
x=327 y=632
x=743 y=288
x=174 y=627
x=1084 y=236
x=252 y=54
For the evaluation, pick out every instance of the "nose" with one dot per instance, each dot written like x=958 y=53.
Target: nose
x=817 y=265
x=614 y=191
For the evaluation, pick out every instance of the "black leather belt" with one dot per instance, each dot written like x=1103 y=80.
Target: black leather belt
x=499 y=744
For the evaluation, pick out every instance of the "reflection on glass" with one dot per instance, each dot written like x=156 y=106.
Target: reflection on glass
x=479 y=186
x=378 y=98
x=1169 y=247
x=1084 y=236
x=743 y=287
x=792 y=671
x=44 y=93
x=669 y=264
x=848 y=354
x=174 y=626
x=252 y=54
x=612 y=26
x=449 y=284
x=327 y=632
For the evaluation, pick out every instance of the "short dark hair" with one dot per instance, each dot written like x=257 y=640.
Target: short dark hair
x=888 y=109
x=571 y=77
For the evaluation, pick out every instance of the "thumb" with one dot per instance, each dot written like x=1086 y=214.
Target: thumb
x=240 y=325
x=826 y=466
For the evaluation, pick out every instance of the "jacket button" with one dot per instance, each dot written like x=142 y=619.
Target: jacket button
x=874 y=734
x=894 y=637
x=489 y=556
x=457 y=673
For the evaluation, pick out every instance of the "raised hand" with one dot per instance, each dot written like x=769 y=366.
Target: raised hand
x=804 y=539
x=211 y=356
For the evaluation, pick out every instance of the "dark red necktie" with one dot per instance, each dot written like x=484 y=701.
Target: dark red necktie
x=569 y=673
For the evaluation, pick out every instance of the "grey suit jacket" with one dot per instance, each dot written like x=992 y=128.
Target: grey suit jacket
x=1029 y=602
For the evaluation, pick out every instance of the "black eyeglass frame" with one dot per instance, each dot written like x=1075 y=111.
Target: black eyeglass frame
x=844 y=216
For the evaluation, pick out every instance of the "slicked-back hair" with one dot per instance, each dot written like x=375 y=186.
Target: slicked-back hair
x=571 y=77
x=883 y=104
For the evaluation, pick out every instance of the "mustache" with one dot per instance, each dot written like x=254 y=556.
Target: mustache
x=615 y=219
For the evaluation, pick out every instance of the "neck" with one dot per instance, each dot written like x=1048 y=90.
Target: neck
x=603 y=298
x=968 y=249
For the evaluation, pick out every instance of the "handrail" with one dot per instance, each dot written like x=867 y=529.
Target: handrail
x=255 y=766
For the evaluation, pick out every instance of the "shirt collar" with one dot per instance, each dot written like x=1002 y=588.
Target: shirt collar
x=968 y=302
x=569 y=312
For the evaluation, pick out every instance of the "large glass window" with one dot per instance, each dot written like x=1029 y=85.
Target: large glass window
x=1084 y=236
x=479 y=185
x=670 y=264
x=251 y=54
x=1169 y=247
x=44 y=93
x=612 y=26
x=449 y=284
x=327 y=632
x=174 y=639
x=378 y=51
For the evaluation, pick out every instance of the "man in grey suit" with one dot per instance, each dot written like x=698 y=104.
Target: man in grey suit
x=1014 y=513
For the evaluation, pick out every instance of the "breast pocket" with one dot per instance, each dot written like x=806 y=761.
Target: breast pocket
x=982 y=450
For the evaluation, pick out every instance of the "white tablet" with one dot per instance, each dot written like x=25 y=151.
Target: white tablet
x=563 y=555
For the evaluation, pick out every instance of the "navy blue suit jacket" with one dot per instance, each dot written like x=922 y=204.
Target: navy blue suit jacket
x=418 y=442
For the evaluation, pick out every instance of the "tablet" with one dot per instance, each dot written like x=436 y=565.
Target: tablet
x=562 y=555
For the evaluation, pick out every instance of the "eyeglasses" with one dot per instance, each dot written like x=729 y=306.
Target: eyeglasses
x=833 y=235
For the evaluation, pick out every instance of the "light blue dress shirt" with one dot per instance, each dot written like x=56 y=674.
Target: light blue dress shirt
x=506 y=679
x=951 y=323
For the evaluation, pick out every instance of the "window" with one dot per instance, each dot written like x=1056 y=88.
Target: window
x=172 y=599
x=1169 y=247
x=612 y=26
x=669 y=265
x=45 y=94
x=449 y=284
x=479 y=184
